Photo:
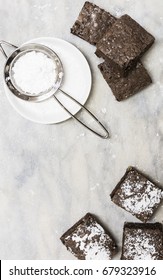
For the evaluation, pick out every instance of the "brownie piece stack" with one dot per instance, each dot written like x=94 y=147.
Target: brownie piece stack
x=88 y=240
x=122 y=46
x=142 y=242
x=121 y=43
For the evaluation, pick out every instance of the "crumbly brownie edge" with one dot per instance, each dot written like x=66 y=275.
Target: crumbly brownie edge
x=153 y=226
x=71 y=229
x=73 y=28
x=121 y=180
x=122 y=71
x=113 y=245
x=147 y=177
x=108 y=71
x=131 y=168
x=139 y=26
x=83 y=220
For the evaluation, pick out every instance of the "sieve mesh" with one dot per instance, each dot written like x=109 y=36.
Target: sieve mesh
x=16 y=88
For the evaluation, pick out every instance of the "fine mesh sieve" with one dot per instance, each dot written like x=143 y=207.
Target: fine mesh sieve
x=27 y=96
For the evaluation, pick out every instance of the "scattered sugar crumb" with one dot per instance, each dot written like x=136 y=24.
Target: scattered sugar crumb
x=32 y=192
x=93 y=188
x=80 y=135
x=118 y=11
x=103 y=110
x=42 y=7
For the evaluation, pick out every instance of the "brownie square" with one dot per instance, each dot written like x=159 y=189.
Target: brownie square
x=125 y=86
x=92 y=23
x=137 y=194
x=142 y=241
x=124 y=43
x=88 y=240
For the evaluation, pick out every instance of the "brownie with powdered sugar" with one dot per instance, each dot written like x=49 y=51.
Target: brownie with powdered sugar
x=137 y=194
x=142 y=241
x=88 y=240
x=92 y=23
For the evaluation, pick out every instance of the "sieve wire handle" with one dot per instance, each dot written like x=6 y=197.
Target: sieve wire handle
x=2 y=42
x=104 y=136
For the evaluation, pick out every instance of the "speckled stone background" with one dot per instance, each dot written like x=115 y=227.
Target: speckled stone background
x=51 y=175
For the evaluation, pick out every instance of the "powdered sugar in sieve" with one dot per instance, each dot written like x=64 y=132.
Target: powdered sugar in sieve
x=34 y=73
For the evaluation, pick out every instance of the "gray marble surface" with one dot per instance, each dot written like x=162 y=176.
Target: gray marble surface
x=51 y=175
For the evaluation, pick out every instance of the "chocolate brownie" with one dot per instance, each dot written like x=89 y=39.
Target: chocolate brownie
x=88 y=240
x=137 y=194
x=92 y=23
x=142 y=241
x=125 y=86
x=124 y=43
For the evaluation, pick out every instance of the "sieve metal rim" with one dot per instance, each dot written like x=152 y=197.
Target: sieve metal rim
x=21 y=51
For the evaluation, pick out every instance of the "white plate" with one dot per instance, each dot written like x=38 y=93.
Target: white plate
x=77 y=82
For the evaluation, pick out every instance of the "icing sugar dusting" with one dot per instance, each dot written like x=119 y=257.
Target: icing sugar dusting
x=140 y=246
x=92 y=241
x=34 y=72
x=140 y=197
